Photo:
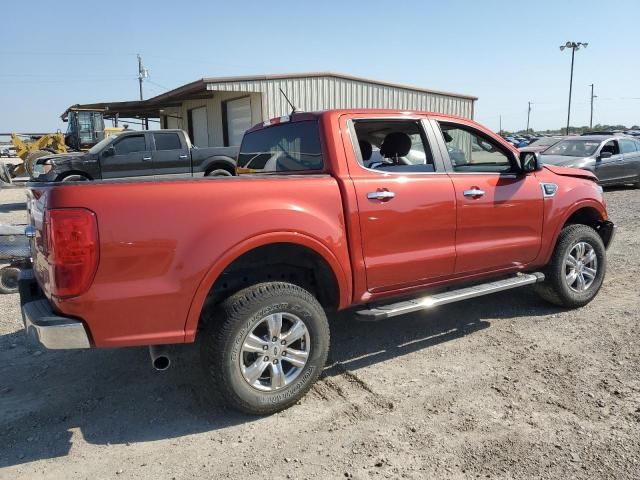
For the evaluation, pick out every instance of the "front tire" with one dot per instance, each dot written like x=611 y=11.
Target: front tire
x=577 y=268
x=264 y=347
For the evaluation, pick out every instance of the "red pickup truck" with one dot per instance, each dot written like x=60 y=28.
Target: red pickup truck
x=383 y=212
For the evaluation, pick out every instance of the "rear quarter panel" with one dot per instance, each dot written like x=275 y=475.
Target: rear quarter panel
x=162 y=244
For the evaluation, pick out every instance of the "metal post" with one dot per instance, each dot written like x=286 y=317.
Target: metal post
x=528 y=116
x=591 y=118
x=573 y=54
x=141 y=75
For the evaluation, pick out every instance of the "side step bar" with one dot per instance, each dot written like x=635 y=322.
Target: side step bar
x=387 y=311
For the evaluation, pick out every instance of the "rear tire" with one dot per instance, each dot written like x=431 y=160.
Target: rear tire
x=577 y=268
x=219 y=172
x=265 y=346
x=9 y=279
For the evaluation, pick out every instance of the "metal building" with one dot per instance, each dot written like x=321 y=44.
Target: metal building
x=217 y=111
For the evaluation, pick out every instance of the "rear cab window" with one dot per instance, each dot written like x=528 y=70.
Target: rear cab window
x=281 y=148
x=167 y=141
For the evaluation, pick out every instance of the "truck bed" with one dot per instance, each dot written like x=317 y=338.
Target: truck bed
x=158 y=241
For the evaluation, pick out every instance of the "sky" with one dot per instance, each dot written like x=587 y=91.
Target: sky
x=55 y=54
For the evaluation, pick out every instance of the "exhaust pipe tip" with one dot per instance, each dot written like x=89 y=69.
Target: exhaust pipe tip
x=160 y=359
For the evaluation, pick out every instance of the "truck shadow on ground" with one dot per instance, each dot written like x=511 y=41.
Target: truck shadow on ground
x=51 y=399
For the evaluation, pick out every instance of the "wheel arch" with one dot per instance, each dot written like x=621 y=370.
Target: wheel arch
x=224 y=163
x=270 y=249
x=68 y=173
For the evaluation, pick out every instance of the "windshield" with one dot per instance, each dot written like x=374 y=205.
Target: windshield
x=102 y=143
x=573 y=148
x=545 y=142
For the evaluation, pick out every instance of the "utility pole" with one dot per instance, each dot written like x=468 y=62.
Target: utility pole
x=573 y=46
x=528 y=116
x=142 y=74
x=592 y=97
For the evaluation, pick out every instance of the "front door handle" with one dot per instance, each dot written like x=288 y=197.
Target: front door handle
x=183 y=157
x=146 y=159
x=382 y=195
x=474 y=192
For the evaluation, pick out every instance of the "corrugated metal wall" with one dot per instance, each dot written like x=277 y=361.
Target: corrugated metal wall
x=325 y=92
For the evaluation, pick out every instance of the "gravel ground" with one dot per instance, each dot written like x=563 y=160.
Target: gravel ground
x=502 y=387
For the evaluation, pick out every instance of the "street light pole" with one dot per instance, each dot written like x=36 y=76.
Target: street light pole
x=573 y=46
x=528 y=116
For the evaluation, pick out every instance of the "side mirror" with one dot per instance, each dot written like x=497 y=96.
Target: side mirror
x=604 y=155
x=109 y=152
x=530 y=162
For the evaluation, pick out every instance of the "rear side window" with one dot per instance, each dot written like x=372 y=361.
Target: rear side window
x=627 y=146
x=286 y=147
x=130 y=144
x=167 y=141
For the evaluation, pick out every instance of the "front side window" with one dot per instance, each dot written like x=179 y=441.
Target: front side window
x=131 y=144
x=393 y=146
x=285 y=147
x=167 y=141
x=470 y=151
x=611 y=146
x=627 y=146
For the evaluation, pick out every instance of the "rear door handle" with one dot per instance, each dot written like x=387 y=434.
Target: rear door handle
x=474 y=192
x=381 y=195
x=146 y=159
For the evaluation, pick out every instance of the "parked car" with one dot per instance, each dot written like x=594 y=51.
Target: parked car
x=137 y=154
x=615 y=160
x=250 y=265
x=541 y=144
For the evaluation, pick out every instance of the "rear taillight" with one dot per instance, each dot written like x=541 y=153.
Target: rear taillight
x=71 y=239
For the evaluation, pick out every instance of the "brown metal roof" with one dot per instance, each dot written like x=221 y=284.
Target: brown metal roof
x=151 y=107
x=328 y=74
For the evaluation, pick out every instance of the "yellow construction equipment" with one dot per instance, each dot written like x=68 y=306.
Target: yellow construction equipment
x=85 y=129
x=30 y=150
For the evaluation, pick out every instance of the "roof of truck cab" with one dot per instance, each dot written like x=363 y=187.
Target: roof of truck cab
x=305 y=116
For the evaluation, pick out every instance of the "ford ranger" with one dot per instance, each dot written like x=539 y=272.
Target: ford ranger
x=137 y=154
x=380 y=212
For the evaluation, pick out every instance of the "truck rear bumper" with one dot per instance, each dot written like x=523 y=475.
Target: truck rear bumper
x=51 y=330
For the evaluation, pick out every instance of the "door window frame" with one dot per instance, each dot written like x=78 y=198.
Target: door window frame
x=180 y=139
x=147 y=145
x=516 y=168
x=426 y=134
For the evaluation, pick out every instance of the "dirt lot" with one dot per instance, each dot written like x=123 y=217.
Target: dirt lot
x=501 y=387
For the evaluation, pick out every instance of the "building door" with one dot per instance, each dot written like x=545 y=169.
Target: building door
x=198 y=126
x=237 y=120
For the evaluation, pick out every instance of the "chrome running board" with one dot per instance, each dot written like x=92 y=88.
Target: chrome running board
x=387 y=311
